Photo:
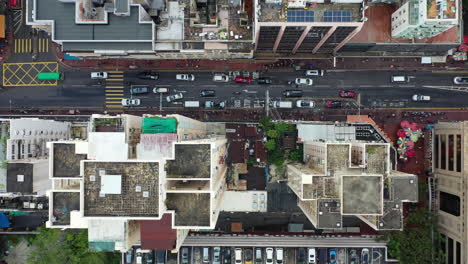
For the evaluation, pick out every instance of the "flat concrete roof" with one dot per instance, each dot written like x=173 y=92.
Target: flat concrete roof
x=362 y=194
x=191 y=161
x=405 y=188
x=329 y=214
x=191 y=209
x=139 y=195
x=66 y=161
x=63 y=204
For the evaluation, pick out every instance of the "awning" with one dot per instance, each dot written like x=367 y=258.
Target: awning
x=4 y=222
x=2 y=26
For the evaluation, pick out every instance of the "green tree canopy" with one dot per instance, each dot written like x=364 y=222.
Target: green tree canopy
x=270 y=145
x=272 y=133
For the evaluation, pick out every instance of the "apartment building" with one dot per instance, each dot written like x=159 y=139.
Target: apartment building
x=139 y=180
x=450 y=203
x=424 y=18
x=345 y=176
x=306 y=26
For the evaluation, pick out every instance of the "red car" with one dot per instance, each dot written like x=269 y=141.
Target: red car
x=347 y=94
x=334 y=104
x=240 y=79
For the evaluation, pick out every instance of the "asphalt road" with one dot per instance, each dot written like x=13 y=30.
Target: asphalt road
x=77 y=90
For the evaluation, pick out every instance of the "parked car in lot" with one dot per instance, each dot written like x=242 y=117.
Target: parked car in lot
x=301 y=256
x=269 y=255
x=220 y=77
x=206 y=255
x=460 y=80
x=292 y=93
x=207 y=93
x=185 y=77
x=312 y=256
x=314 y=73
x=279 y=255
x=264 y=80
x=139 y=89
x=238 y=255
x=197 y=254
x=241 y=79
x=248 y=256
x=174 y=97
x=365 y=256
x=185 y=256
x=99 y=75
x=131 y=102
x=305 y=104
x=421 y=98
x=129 y=256
x=347 y=94
x=258 y=256
x=160 y=257
x=138 y=256
x=334 y=104
x=160 y=90
x=148 y=76
x=304 y=81
x=227 y=256
x=353 y=257
x=332 y=256
x=216 y=255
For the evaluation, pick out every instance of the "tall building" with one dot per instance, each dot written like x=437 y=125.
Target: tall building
x=306 y=27
x=424 y=18
x=139 y=180
x=450 y=151
x=342 y=176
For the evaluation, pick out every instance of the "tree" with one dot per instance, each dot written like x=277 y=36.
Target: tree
x=282 y=127
x=270 y=145
x=272 y=133
x=53 y=246
x=266 y=124
x=418 y=242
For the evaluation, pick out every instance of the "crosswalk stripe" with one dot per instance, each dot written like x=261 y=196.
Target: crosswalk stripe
x=115 y=80
x=112 y=103
x=114 y=94
x=113 y=76
x=115 y=71
x=114 y=87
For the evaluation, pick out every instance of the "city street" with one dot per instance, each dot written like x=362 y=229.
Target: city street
x=78 y=91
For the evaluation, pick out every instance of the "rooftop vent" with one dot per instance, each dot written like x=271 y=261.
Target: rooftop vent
x=92 y=178
x=138 y=188
x=20 y=178
x=146 y=194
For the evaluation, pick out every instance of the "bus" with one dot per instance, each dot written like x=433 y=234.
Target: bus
x=49 y=76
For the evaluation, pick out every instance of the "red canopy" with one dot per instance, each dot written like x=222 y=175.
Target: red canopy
x=404 y=124
x=410 y=153
x=401 y=133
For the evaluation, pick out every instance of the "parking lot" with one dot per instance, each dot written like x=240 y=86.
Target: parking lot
x=258 y=255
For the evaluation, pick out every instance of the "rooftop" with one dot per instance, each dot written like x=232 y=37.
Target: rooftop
x=66 y=161
x=441 y=9
x=191 y=209
x=20 y=177
x=404 y=188
x=158 y=234
x=362 y=195
x=329 y=215
x=125 y=189
x=337 y=157
x=191 y=161
x=63 y=204
x=392 y=218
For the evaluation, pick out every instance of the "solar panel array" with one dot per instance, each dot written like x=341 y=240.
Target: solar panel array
x=337 y=16
x=300 y=16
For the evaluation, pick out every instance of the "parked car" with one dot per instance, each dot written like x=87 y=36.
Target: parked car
x=312 y=256
x=301 y=256
x=129 y=256
x=332 y=256
x=211 y=104
x=238 y=255
x=216 y=255
x=354 y=258
x=160 y=257
x=206 y=255
x=279 y=255
x=160 y=90
x=148 y=76
x=334 y=104
x=208 y=93
x=365 y=256
x=185 y=256
x=292 y=93
x=248 y=256
x=269 y=255
x=305 y=104
x=131 y=102
x=460 y=80
x=139 y=89
x=185 y=77
x=241 y=79
x=258 y=256
x=347 y=94
x=220 y=77
x=138 y=256
x=314 y=73
x=304 y=81
x=399 y=79
x=99 y=75
x=197 y=254
x=421 y=98
x=264 y=80
x=227 y=256
x=174 y=97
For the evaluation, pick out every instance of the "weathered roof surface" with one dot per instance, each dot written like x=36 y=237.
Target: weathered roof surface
x=362 y=194
x=66 y=161
x=22 y=184
x=158 y=234
x=117 y=28
x=191 y=209
x=191 y=161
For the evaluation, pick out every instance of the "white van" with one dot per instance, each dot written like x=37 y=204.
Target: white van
x=220 y=77
x=192 y=104
x=238 y=256
x=99 y=75
x=312 y=256
x=399 y=79
x=282 y=104
x=279 y=255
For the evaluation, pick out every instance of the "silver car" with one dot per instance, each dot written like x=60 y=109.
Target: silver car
x=174 y=97
x=460 y=80
x=304 y=81
x=185 y=77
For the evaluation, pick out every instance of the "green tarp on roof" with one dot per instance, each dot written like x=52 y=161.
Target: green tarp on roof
x=102 y=245
x=159 y=125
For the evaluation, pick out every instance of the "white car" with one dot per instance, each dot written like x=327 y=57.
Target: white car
x=421 y=98
x=160 y=90
x=314 y=73
x=174 y=97
x=269 y=255
x=220 y=77
x=460 y=80
x=304 y=81
x=131 y=102
x=305 y=104
x=99 y=75
x=185 y=77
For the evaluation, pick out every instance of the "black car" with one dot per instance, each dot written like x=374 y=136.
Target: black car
x=227 y=256
x=264 y=80
x=301 y=256
x=208 y=93
x=160 y=257
x=148 y=76
x=292 y=93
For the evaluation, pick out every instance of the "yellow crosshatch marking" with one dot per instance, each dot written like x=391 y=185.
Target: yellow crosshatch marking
x=114 y=90
x=25 y=74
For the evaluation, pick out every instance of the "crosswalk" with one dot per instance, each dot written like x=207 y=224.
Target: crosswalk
x=26 y=45
x=115 y=90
